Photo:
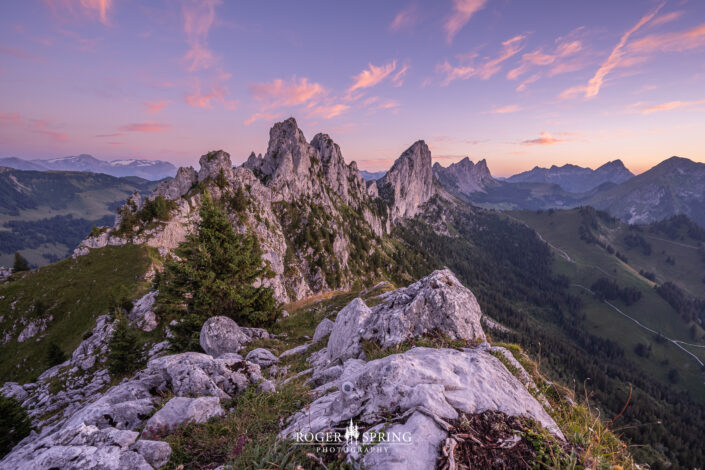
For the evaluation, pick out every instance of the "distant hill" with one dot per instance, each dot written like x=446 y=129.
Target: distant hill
x=372 y=175
x=674 y=186
x=148 y=169
x=45 y=214
x=575 y=179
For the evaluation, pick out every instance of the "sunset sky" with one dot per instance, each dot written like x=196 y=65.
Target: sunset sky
x=518 y=83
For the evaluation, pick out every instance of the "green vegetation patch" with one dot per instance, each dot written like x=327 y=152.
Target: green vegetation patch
x=73 y=292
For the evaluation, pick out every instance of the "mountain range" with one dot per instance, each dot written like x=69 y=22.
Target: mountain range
x=148 y=169
x=573 y=178
x=384 y=289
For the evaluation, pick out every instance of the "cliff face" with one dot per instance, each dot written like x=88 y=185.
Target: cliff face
x=409 y=183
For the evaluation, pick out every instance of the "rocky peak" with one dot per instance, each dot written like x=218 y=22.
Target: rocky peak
x=174 y=189
x=465 y=176
x=409 y=183
x=212 y=163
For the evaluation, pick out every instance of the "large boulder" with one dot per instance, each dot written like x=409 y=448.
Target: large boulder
x=437 y=383
x=262 y=357
x=323 y=330
x=436 y=305
x=181 y=410
x=156 y=453
x=221 y=335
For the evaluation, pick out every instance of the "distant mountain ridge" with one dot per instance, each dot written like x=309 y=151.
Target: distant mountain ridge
x=148 y=169
x=674 y=186
x=574 y=178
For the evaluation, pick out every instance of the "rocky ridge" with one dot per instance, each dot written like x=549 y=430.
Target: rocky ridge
x=317 y=221
x=465 y=176
x=419 y=389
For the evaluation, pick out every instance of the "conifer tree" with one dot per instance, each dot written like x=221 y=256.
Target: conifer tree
x=215 y=275
x=55 y=355
x=123 y=351
x=21 y=263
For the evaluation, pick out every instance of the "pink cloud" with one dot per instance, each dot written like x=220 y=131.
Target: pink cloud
x=93 y=9
x=670 y=106
x=560 y=60
x=486 y=69
x=199 y=16
x=573 y=92
x=512 y=108
x=42 y=127
x=290 y=92
x=148 y=127
x=544 y=139
x=154 y=107
x=216 y=93
x=405 y=18
x=327 y=111
x=617 y=54
x=463 y=10
x=372 y=76
x=677 y=41
x=398 y=78
x=454 y=72
x=262 y=116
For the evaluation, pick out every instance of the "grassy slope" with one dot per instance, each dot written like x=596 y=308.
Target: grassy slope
x=592 y=262
x=74 y=292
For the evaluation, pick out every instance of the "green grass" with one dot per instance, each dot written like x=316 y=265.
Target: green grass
x=74 y=292
x=590 y=262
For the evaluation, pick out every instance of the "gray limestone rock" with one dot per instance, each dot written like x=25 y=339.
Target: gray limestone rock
x=181 y=410
x=220 y=335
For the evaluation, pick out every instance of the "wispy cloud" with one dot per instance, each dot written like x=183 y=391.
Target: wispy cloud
x=149 y=127
x=511 y=108
x=617 y=55
x=154 y=107
x=553 y=62
x=92 y=9
x=206 y=97
x=676 y=41
x=669 y=106
x=544 y=139
x=405 y=18
x=327 y=111
x=372 y=75
x=43 y=127
x=484 y=70
x=292 y=92
x=398 y=78
x=199 y=16
x=463 y=10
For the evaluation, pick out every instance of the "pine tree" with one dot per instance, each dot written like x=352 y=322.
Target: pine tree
x=215 y=275
x=21 y=263
x=55 y=355
x=123 y=350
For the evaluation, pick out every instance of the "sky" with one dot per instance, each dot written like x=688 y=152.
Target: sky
x=517 y=83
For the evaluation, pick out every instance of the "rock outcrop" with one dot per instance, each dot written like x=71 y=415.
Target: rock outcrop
x=185 y=178
x=421 y=390
x=465 y=176
x=99 y=430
